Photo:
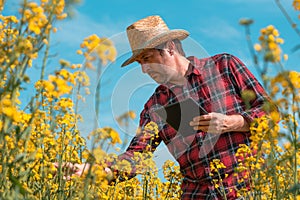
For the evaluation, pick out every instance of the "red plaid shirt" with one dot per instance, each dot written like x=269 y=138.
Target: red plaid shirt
x=216 y=84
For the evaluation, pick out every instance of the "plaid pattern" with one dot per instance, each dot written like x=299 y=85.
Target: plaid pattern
x=215 y=83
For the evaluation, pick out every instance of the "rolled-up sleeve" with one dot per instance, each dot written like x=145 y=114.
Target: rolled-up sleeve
x=245 y=81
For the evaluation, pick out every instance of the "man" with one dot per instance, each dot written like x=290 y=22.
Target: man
x=214 y=83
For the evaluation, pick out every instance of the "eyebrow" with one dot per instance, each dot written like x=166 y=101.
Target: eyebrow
x=147 y=53
x=143 y=55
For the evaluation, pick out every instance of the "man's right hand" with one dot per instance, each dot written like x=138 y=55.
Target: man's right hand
x=80 y=169
x=70 y=169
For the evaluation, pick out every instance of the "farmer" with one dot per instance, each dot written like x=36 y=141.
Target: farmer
x=216 y=84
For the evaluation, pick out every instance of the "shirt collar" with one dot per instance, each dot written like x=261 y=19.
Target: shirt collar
x=194 y=66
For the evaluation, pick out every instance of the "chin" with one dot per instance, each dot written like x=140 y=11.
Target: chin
x=159 y=82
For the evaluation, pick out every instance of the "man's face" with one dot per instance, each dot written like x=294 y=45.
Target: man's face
x=157 y=65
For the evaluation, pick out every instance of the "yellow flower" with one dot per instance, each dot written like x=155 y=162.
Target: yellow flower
x=132 y=114
x=62 y=16
x=296 y=4
x=275 y=116
x=123 y=166
x=295 y=79
x=270 y=28
x=64 y=63
x=39 y=154
x=115 y=138
x=257 y=47
x=54 y=30
x=9 y=142
x=99 y=154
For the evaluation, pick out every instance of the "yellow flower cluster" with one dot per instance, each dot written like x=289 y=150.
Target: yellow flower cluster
x=215 y=166
x=8 y=37
x=270 y=44
x=287 y=84
x=123 y=119
x=56 y=7
x=95 y=48
x=35 y=16
x=104 y=134
x=61 y=83
x=1 y=4
x=146 y=185
x=8 y=107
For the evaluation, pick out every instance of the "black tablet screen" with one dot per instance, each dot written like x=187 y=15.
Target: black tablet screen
x=180 y=114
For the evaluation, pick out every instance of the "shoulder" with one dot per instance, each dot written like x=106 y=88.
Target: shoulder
x=225 y=57
x=221 y=58
x=226 y=61
x=159 y=97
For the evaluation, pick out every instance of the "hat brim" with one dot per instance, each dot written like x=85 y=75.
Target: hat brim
x=159 y=39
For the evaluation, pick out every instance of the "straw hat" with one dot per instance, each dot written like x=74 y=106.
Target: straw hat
x=149 y=33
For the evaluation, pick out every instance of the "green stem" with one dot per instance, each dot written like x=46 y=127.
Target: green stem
x=171 y=180
x=223 y=189
x=250 y=47
x=145 y=188
x=287 y=16
x=98 y=88
x=44 y=62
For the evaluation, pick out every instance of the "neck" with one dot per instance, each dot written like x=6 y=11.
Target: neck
x=182 y=65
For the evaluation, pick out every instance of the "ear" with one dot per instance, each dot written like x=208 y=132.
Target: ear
x=170 y=46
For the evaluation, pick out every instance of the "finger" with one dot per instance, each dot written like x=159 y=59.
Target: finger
x=62 y=165
x=55 y=164
x=79 y=169
x=210 y=129
x=78 y=173
x=207 y=120
x=201 y=128
x=200 y=123
x=67 y=165
x=70 y=167
x=67 y=178
x=216 y=129
x=203 y=117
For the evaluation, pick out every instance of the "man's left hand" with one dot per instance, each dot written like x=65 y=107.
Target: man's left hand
x=219 y=123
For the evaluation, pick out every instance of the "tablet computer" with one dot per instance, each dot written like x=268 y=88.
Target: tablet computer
x=180 y=114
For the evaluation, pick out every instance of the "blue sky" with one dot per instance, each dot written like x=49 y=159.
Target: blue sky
x=213 y=26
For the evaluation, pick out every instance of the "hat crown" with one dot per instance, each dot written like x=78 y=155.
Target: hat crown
x=144 y=31
x=149 y=33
